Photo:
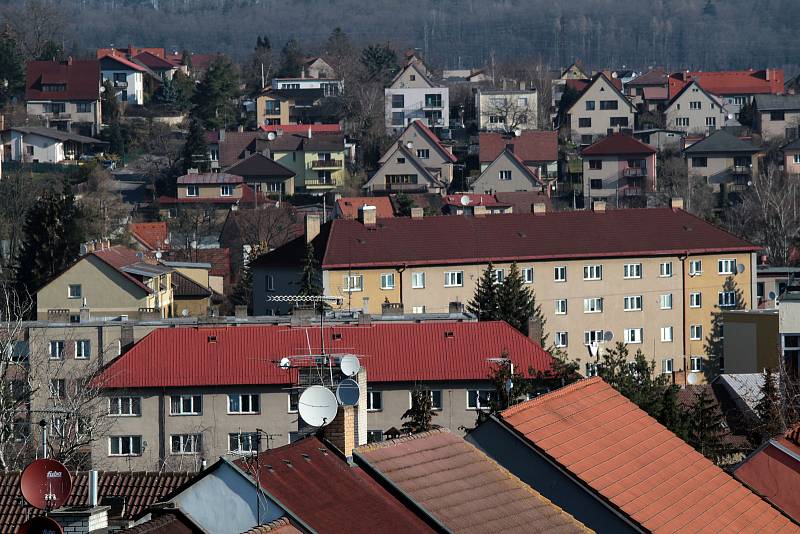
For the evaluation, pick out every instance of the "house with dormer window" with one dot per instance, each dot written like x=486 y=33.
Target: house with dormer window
x=65 y=94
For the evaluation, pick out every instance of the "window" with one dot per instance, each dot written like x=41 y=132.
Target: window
x=354 y=282
x=591 y=370
x=726 y=266
x=682 y=121
x=291 y=400
x=727 y=299
x=527 y=275
x=454 y=279
x=83 y=349
x=609 y=104
x=593 y=336
x=125 y=406
x=74 y=291
x=505 y=175
x=499 y=276
x=522 y=101
x=711 y=121
x=593 y=305
x=186 y=405
x=83 y=107
x=696 y=332
x=584 y=122
x=226 y=190
x=776 y=115
x=479 y=398
x=696 y=267
x=561 y=306
x=433 y=100
x=797 y=159
x=595 y=164
x=423 y=153
x=496 y=119
x=185 y=443
x=243 y=403
x=586 y=139
x=374 y=436
x=243 y=442
x=125 y=445
x=374 y=401
x=57 y=349
x=58 y=388
x=618 y=121
x=191 y=191
x=695 y=104
x=269 y=282
x=398 y=101
x=665 y=270
x=633 y=335
x=666 y=334
x=436 y=399
x=387 y=281
x=560 y=274
x=666 y=366
x=699 y=161
x=697 y=364
x=633 y=270
x=590 y=105
x=561 y=339
x=417 y=309
x=593 y=272
x=633 y=303
x=398 y=118
x=417 y=280
x=596 y=183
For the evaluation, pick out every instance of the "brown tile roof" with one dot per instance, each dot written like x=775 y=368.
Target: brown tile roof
x=210 y=178
x=139 y=490
x=119 y=257
x=522 y=201
x=531 y=146
x=618 y=144
x=448 y=240
x=183 y=286
x=433 y=139
x=219 y=258
x=282 y=525
x=82 y=80
x=153 y=61
x=348 y=206
x=640 y=467
x=461 y=487
x=152 y=235
x=258 y=165
x=657 y=76
x=173 y=522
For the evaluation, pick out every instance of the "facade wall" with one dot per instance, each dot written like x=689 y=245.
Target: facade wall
x=300 y=163
x=392 y=166
x=36 y=148
x=612 y=174
x=489 y=180
x=751 y=341
x=600 y=118
x=717 y=163
x=710 y=111
x=419 y=141
x=414 y=106
x=776 y=129
x=133 y=94
x=210 y=191
x=791 y=162
x=261 y=110
x=506 y=105
x=70 y=114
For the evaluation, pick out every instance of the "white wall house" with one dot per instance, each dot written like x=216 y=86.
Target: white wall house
x=330 y=87
x=413 y=95
x=127 y=78
x=44 y=145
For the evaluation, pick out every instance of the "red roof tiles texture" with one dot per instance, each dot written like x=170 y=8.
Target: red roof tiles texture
x=639 y=466
x=531 y=146
x=151 y=235
x=82 y=79
x=773 y=472
x=119 y=257
x=282 y=525
x=398 y=352
x=730 y=83
x=434 y=139
x=462 y=487
x=618 y=144
x=303 y=128
x=348 y=206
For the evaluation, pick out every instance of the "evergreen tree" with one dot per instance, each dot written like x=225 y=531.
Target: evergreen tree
x=195 y=149
x=516 y=304
x=637 y=379
x=404 y=204
x=51 y=51
x=707 y=431
x=768 y=409
x=12 y=69
x=184 y=87
x=214 y=96
x=380 y=62
x=671 y=414
x=715 y=363
x=746 y=114
x=310 y=284
x=260 y=65
x=291 y=60
x=507 y=387
x=420 y=415
x=484 y=304
x=110 y=105
x=242 y=294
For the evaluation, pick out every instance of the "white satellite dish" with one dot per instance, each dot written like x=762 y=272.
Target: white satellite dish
x=271 y=136
x=285 y=363
x=693 y=378
x=464 y=200
x=608 y=335
x=350 y=365
x=158 y=255
x=347 y=393
x=185 y=312
x=317 y=406
x=409 y=145
x=730 y=116
x=740 y=268
x=517 y=132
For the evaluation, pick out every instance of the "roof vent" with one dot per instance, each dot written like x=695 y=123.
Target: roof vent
x=306 y=457
x=212 y=339
x=336 y=335
x=449 y=334
x=287 y=462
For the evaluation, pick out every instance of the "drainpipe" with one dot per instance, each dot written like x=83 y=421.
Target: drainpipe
x=683 y=257
x=400 y=270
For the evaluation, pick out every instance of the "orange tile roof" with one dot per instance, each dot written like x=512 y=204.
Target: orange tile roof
x=639 y=466
x=153 y=235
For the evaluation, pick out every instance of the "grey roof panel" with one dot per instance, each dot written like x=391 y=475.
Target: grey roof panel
x=723 y=142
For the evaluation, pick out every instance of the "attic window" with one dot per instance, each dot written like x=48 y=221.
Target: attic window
x=449 y=334
x=413 y=77
x=336 y=335
x=212 y=339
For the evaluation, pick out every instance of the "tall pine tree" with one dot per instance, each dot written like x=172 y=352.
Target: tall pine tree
x=310 y=283
x=768 y=409
x=516 y=304
x=707 y=431
x=291 y=60
x=214 y=97
x=484 y=303
x=195 y=149
x=420 y=415
x=715 y=364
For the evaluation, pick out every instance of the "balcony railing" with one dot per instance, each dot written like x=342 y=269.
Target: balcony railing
x=741 y=169
x=634 y=172
x=120 y=84
x=630 y=191
x=57 y=116
x=319 y=182
x=416 y=188
x=326 y=164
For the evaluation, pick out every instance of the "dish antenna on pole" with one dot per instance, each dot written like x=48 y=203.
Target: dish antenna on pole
x=317 y=406
x=464 y=200
x=348 y=392
x=350 y=365
x=271 y=136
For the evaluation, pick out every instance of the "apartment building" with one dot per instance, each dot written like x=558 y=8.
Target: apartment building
x=618 y=169
x=413 y=95
x=601 y=109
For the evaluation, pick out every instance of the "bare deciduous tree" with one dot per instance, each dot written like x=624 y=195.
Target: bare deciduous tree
x=509 y=111
x=674 y=181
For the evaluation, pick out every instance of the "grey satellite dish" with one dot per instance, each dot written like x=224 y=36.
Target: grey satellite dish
x=409 y=145
x=517 y=132
x=347 y=392
x=285 y=363
x=464 y=200
x=350 y=365
x=317 y=406
x=608 y=335
x=772 y=295
x=158 y=255
x=271 y=136
x=740 y=268
x=693 y=378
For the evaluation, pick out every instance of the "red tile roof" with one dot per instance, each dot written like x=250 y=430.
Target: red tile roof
x=448 y=240
x=303 y=128
x=140 y=490
x=393 y=352
x=152 y=235
x=124 y=61
x=348 y=206
x=82 y=79
x=474 y=200
x=618 y=144
x=161 y=522
x=153 y=61
x=730 y=83
x=532 y=146
x=119 y=257
x=461 y=487
x=219 y=258
x=522 y=201
x=433 y=139
x=210 y=178
x=581 y=85
x=131 y=51
x=282 y=526
x=653 y=77
x=640 y=467
x=318 y=486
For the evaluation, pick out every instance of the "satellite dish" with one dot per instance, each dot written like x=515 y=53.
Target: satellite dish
x=772 y=295
x=348 y=392
x=271 y=136
x=38 y=524
x=693 y=378
x=158 y=255
x=740 y=268
x=317 y=406
x=730 y=116
x=517 y=132
x=409 y=145
x=464 y=200
x=350 y=365
x=608 y=335
x=46 y=484
x=286 y=363
x=184 y=313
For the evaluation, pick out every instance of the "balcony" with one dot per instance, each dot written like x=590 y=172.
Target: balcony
x=120 y=84
x=326 y=164
x=742 y=169
x=407 y=188
x=319 y=182
x=634 y=172
x=56 y=116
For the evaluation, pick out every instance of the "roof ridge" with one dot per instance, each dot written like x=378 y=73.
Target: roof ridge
x=402 y=439
x=560 y=392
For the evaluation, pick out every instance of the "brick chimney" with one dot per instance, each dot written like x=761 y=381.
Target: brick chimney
x=417 y=213
x=599 y=206
x=312 y=227
x=676 y=203
x=82 y=520
x=539 y=208
x=342 y=430
x=368 y=215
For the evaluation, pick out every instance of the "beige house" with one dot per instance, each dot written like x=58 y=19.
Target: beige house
x=507 y=173
x=272 y=108
x=777 y=116
x=618 y=169
x=695 y=110
x=725 y=161
x=791 y=157
x=210 y=186
x=428 y=149
x=601 y=109
x=506 y=110
x=403 y=171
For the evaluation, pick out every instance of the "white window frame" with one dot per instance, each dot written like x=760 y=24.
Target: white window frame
x=434 y=393
x=632 y=271
x=633 y=336
x=696 y=267
x=241 y=397
x=418 y=280
x=371 y=396
x=353 y=283
x=188 y=444
x=124 y=404
x=696 y=332
x=561 y=307
x=527 y=275
x=86 y=349
x=726 y=299
x=418 y=309
x=667 y=334
x=726 y=266
x=71 y=294
x=593 y=305
x=289 y=396
x=560 y=273
x=598 y=335
x=665 y=301
x=667 y=366
x=632 y=303
x=423 y=153
x=593 y=272
x=499 y=276
x=226 y=190
x=505 y=176
x=454 y=279
x=131 y=440
x=193 y=399
x=696 y=363
x=192 y=191
x=387 y=281
x=57 y=388
x=478 y=392
x=562 y=339
x=665 y=269
x=252 y=439
x=695 y=299
x=57 y=355
x=591 y=369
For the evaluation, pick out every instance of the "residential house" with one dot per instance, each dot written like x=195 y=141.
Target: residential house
x=413 y=95
x=127 y=78
x=559 y=82
x=46 y=145
x=225 y=390
x=328 y=86
x=695 y=110
x=595 y=474
x=537 y=148
x=156 y=64
x=649 y=91
x=65 y=94
x=506 y=110
x=210 y=191
x=347 y=207
x=316 y=67
x=190 y=297
x=439 y=458
x=618 y=169
x=428 y=150
x=725 y=161
x=220 y=275
x=507 y=173
x=296 y=106
x=776 y=116
x=791 y=157
x=113 y=281
x=201 y=274
x=272 y=108
x=661 y=139
x=772 y=282
x=472 y=204
x=403 y=171
x=647 y=277
x=601 y=109
x=264 y=175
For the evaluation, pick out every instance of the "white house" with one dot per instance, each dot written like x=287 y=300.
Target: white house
x=126 y=76
x=329 y=86
x=45 y=145
x=413 y=95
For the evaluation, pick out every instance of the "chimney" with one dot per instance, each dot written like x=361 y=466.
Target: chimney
x=240 y=128
x=312 y=227
x=69 y=60
x=240 y=310
x=479 y=211
x=676 y=203
x=309 y=132
x=368 y=215
x=365 y=305
x=539 y=208
x=417 y=213
x=599 y=206
x=535 y=331
x=341 y=432
x=510 y=147
x=93 y=488
x=82 y=520
x=86 y=316
x=221 y=135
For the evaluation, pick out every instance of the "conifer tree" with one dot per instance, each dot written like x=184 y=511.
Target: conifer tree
x=768 y=409
x=516 y=304
x=671 y=414
x=214 y=97
x=291 y=60
x=195 y=148
x=707 y=429
x=420 y=415
x=715 y=364
x=310 y=284
x=484 y=303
